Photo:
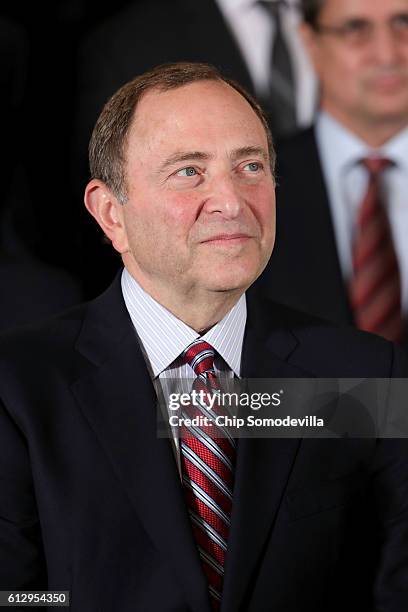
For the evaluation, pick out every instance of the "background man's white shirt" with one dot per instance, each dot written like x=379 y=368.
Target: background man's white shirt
x=346 y=181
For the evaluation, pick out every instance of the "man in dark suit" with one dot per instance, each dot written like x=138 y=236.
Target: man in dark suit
x=92 y=500
x=326 y=174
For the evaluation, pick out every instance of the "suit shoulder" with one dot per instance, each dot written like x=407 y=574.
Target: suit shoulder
x=341 y=350
x=328 y=350
x=45 y=338
x=298 y=159
x=296 y=143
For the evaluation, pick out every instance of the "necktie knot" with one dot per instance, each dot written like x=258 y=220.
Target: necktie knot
x=200 y=356
x=376 y=165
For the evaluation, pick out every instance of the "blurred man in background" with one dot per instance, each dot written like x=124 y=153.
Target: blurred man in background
x=342 y=215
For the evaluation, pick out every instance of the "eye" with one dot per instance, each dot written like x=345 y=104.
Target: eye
x=354 y=31
x=188 y=171
x=400 y=23
x=253 y=166
x=356 y=26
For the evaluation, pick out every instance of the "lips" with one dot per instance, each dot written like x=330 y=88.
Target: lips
x=392 y=81
x=388 y=82
x=226 y=237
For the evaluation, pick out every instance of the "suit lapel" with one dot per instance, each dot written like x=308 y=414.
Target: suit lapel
x=304 y=270
x=263 y=465
x=329 y=291
x=119 y=402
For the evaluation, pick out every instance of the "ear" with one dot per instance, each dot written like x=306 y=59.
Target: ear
x=108 y=212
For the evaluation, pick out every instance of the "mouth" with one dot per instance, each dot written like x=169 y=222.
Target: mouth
x=389 y=83
x=227 y=239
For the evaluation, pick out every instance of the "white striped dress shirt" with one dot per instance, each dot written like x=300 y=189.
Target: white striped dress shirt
x=163 y=337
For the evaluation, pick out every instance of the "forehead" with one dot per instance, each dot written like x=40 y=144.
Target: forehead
x=368 y=9
x=200 y=115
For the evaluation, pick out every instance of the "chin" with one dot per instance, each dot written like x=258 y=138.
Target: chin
x=390 y=107
x=236 y=282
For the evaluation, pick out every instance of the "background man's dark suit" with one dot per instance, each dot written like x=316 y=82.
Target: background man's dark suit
x=91 y=499
x=304 y=271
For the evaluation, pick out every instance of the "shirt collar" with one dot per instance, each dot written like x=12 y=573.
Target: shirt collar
x=153 y=322
x=396 y=149
x=346 y=149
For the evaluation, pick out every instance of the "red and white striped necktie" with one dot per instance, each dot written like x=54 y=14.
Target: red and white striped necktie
x=375 y=289
x=207 y=462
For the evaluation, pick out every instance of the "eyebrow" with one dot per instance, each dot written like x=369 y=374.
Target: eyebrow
x=249 y=152
x=360 y=18
x=182 y=156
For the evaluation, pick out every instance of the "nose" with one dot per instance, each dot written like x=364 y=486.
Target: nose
x=386 y=46
x=224 y=198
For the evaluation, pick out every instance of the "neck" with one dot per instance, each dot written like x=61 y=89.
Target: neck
x=374 y=132
x=200 y=310
x=204 y=316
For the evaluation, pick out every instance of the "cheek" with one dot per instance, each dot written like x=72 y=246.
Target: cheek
x=181 y=212
x=336 y=70
x=347 y=73
x=263 y=204
x=161 y=214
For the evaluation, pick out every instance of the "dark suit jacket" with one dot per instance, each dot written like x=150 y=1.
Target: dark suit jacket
x=304 y=271
x=91 y=500
x=33 y=291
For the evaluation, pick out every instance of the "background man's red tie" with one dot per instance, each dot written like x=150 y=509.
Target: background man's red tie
x=207 y=462
x=375 y=289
